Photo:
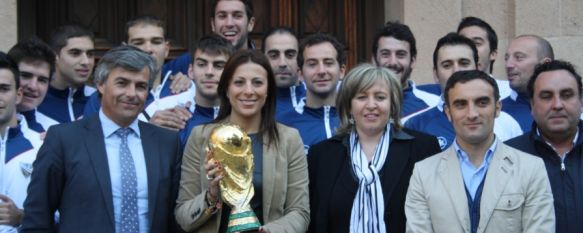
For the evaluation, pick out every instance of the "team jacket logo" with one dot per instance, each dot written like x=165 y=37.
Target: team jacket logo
x=442 y=142
x=26 y=169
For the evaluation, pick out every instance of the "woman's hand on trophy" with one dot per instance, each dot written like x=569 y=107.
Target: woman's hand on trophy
x=214 y=174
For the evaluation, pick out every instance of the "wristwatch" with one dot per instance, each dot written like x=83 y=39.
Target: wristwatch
x=212 y=206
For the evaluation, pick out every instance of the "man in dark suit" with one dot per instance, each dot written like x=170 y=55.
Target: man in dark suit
x=108 y=172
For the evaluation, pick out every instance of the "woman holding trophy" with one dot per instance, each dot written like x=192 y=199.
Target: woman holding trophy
x=359 y=177
x=244 y=172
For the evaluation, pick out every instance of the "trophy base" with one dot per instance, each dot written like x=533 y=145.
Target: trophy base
x=243 y=220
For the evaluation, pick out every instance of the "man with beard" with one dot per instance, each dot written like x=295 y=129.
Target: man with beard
x=36 y=63
x=557 y=138
x=322 y=62
x=67 y=93
x=486 y=41
x=455 y=53
x=394 y=48
x=522 y=55
x=230 y=19
x=280 y=45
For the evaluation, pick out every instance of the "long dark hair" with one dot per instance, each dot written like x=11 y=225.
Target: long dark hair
x=268 y=124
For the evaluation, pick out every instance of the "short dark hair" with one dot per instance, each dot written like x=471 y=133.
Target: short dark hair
x=465 y=76
x=7 y=63
x=552 y=66
x=454 y=39
x=60 y=36
x=33 y=49
x=492 y=36
x=248 y=7
x=277 y=30
x=214 y=44
x=319 y=38
x=398 y=31
x=241 y=57
x=147 y=20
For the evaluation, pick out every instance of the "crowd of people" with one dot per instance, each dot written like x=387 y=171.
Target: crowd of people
x=121 y=145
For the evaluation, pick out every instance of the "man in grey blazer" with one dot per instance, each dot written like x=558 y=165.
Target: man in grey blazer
x=479 y=184
x=108 y=172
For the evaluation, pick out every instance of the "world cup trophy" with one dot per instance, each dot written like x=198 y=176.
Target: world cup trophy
x=232 y=148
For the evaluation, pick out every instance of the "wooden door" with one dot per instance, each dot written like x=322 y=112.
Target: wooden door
x=351 y=21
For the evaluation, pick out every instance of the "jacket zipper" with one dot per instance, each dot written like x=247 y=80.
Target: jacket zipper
x=327 y=121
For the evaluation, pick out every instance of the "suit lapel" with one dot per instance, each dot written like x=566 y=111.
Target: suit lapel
x=95 y=144
x=152 y=157
x=499 y=172
x=451 y=177
x=393 y=169
x=269 y=163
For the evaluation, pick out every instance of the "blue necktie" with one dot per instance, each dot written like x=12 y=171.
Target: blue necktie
x=129 y=185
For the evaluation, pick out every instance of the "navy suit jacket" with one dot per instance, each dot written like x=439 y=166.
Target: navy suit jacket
x=71 y=176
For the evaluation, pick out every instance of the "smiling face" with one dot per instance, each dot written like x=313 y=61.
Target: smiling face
x=150 y=39
x=9 y=98
x=123 y=94
x=472 y=109
x=521 y=58
x=395 y=55
x=371 y=109
x=450 y=59
x=75 y=62
x=206 y=72
x=282 y=51
x=321 y=71
x=247 y=91
x=232 y=23
x=556 y=104
x=34 y=83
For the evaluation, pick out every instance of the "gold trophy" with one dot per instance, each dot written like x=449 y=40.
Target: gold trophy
x=232 y=148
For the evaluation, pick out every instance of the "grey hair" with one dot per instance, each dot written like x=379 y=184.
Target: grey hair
x=360 y=79
x=126 y=57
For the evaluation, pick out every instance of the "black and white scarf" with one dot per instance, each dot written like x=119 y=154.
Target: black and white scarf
x=368 y=207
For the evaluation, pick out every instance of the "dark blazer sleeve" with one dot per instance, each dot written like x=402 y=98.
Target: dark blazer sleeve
x=324 y=163
x=312 y=174
x=176 y=164
x=46 y=185
x=396 y=174
x=425 y=145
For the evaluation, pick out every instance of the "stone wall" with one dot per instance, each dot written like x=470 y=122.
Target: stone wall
x=8 y=29
x=559 y=21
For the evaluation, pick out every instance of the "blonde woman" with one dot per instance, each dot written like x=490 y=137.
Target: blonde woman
x=359 y=178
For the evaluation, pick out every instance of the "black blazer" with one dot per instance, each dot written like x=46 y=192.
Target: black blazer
x=333 y=184
x=71 y=175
